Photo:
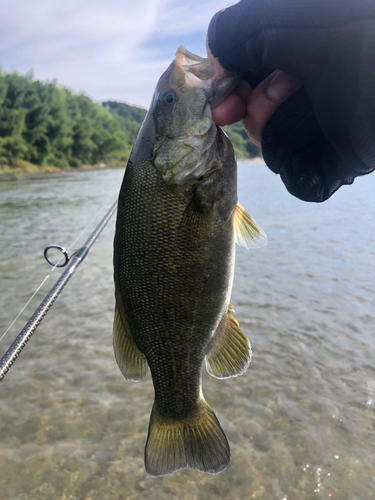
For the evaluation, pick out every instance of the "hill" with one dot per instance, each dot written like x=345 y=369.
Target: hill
x=243 y=147
x=47 y=125
x=130 y=117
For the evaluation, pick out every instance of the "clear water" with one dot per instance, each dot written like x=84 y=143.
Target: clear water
x=301 y=421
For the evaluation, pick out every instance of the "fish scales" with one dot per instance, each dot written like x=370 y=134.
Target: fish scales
x=169 y=269
x=173 y=270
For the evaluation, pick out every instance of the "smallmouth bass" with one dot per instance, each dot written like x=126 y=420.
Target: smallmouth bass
x=177 y=222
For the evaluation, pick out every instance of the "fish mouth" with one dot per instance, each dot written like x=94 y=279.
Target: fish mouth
x=198 y=71
x=206 y=73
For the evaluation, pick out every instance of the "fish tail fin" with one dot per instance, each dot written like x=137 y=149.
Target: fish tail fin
x=197 y=442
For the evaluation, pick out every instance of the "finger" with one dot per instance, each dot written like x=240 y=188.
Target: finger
x=233 y=109
x=264 y=101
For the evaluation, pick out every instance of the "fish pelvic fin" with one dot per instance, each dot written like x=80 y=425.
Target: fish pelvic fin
x=131 y=361
x=197 y=442
x=248 y=233
x=230 y=354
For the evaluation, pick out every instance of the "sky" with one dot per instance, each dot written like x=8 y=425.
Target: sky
x=108 y=49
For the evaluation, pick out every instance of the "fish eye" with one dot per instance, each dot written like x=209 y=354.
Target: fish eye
x=167 y=98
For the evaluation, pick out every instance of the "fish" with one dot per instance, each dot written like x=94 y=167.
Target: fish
x=174 y=250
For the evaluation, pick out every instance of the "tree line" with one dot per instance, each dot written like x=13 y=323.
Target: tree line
x=47 y=124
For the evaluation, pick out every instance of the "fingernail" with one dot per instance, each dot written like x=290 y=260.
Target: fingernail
x=282 y=86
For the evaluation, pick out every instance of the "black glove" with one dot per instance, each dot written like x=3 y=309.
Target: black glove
x=323 y=136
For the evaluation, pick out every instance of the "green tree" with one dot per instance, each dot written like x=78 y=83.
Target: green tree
x=45 y=124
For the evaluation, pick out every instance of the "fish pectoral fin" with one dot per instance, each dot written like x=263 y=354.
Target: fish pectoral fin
x=131 y=361
x=196 y=442
x=194 y=217
x=248 y=233
x=230 y=354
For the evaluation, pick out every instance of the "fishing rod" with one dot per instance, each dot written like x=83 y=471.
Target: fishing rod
x=73 y=262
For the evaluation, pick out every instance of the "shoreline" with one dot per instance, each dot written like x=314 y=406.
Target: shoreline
x=40 y=172
x=256 y=159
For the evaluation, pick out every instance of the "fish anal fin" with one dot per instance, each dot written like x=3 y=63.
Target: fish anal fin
x=230 y=354
x=131 y=361
x=248 y=233
x=197 y=442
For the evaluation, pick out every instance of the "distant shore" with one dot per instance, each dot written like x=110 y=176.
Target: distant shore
x=8 y=173
x=256 y=159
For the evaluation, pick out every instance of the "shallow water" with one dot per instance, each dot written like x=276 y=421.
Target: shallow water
x=300 y=422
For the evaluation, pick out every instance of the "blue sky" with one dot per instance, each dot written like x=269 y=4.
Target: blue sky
x=109 y=49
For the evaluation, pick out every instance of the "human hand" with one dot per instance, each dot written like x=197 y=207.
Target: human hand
x=255 y=106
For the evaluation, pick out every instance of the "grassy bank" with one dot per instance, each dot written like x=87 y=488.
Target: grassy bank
x=25 y=170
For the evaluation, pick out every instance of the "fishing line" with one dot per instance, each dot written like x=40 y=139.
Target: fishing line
x=95 y=217
x=27 y=303
x=37 y=317
x=57 y=265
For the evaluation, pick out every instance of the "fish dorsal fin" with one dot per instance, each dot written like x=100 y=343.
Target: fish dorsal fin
x=248 y=233
x=131 y=361
x=230 y=354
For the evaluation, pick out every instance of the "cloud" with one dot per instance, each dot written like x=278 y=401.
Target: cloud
x=108 y=49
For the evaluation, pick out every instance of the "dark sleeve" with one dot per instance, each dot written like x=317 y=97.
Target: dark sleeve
x=323 y=136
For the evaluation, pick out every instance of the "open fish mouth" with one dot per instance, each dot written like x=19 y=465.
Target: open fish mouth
x=198 y=71
x=203 y=72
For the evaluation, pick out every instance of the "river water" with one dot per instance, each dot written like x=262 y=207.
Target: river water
x=300 y=422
